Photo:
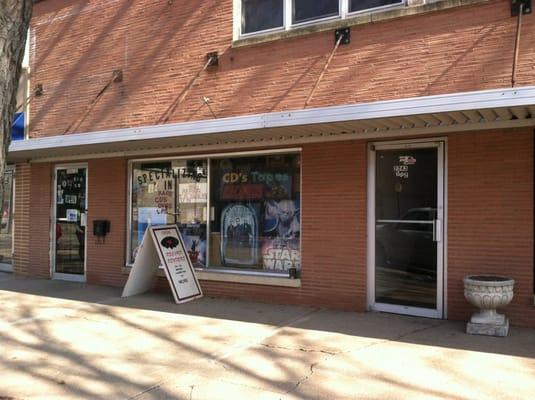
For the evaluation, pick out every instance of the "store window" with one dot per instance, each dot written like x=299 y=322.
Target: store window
x=171 y=192
x=254 y=204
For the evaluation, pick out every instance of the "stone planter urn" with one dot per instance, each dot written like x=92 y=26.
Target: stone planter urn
x=488 y=293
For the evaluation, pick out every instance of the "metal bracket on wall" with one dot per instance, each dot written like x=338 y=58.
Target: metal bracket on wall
x=346 y=35
x=117 y=75
x=517 y=4
x=212 y=59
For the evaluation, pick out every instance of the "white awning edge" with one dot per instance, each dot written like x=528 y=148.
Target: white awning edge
x=453 y=110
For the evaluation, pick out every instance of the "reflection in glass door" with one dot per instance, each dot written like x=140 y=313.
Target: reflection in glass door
x=408 y=215
x=70 y=223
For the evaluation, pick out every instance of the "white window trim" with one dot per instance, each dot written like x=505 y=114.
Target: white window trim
x=343 y=13
x=209 y=157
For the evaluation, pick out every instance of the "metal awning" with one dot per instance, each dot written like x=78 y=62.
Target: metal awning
x=458 y=112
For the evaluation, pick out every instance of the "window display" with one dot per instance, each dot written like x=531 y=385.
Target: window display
x=171 y=192
x=254 y=204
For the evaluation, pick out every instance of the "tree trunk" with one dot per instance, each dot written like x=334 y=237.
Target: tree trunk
x=14 y=20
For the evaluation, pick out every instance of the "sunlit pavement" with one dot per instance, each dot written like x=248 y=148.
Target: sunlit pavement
x=67 y=340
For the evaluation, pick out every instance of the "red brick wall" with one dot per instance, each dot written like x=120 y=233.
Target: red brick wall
x=107 y=179
x=40 y=208
x=161 y=46
x=490 y=222
x=21 y=234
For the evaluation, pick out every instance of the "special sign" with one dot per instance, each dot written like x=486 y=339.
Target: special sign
x=163 y=245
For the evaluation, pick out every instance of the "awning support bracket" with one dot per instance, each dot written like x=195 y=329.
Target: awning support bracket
x=341 y=36
x=518 y=5
x=116 y=77
x=212 y=60
x=518 y=8
x=37 y=91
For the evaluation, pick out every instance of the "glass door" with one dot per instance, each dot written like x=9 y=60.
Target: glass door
x=69 y=230
x=6 y=226
x=407 y=228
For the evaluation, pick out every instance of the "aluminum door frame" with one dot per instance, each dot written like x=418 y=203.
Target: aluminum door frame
x=53 y=273
x=8 y=267
x=441 y=310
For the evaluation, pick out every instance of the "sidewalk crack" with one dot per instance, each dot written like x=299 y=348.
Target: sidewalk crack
x=271 y=346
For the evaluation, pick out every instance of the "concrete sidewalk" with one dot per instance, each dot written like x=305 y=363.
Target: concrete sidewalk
x=67 y=340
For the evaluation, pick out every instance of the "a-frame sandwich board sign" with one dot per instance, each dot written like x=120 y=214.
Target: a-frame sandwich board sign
x=163 y=245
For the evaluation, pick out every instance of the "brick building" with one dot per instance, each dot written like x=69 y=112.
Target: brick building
x=377 y=147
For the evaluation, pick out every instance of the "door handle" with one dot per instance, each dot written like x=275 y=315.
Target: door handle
x=437 y=230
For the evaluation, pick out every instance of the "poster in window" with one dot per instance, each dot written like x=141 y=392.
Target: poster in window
x=194 y=237
x=280 y=247
x=239 y=231
x=195 y=192
x=148 y=216
x=72 y=215
x=71 y=199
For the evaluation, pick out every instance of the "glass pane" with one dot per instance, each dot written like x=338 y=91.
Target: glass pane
x=171 y=192
x=405 y=208
x=70 y=220
x=6 y=228
x=255 y=213
x=259 y=15
x=359 y=5
x=306 y=10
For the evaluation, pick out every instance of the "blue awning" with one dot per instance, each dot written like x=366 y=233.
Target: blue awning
x=17 y=128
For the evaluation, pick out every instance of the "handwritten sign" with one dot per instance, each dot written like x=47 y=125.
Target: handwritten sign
x=163 y=245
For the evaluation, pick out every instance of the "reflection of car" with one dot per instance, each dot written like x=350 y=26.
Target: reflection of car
x=407 y=244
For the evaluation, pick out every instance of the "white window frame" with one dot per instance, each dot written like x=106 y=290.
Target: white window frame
x=209 y=158
x=343 y=13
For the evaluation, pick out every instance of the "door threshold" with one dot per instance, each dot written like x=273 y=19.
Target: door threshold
x=69 y=277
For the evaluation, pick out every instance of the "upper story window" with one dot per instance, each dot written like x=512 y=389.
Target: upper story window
x=262 y=16
x=362 y=5
x=306 y=10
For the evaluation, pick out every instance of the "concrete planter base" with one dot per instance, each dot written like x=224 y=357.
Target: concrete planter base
x=488 y=293
x=500 y=330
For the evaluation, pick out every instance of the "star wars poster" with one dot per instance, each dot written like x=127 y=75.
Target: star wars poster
x=281 y=248
x=239 y=230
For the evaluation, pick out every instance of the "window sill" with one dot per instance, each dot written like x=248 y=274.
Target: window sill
x=358 y=19
x=237 y=278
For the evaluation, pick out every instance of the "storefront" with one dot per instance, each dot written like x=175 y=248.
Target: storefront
x=382 y=206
